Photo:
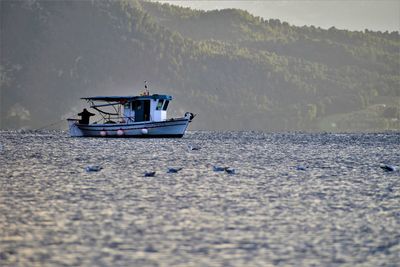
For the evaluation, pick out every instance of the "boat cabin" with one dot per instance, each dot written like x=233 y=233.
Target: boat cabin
x=129 y=109
x=147 y=108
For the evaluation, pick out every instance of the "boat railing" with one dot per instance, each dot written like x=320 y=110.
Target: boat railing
x=117 y=120
x=114 y=120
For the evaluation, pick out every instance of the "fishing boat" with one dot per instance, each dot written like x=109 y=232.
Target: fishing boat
x=144 y=115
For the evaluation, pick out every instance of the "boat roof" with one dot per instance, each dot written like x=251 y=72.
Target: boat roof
x=127 y=98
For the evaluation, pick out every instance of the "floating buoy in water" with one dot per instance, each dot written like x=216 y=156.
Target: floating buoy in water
x=389 y=168
x=93 y=168
x=229 y=170
x=301 y=168
x=173 y=170
x=218 y=169
x=149 y=174
x=120 y=132
x=191 y=147
x=145 y=131
x=103 y=133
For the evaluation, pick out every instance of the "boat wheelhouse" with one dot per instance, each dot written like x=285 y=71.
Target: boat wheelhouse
x=129 y=116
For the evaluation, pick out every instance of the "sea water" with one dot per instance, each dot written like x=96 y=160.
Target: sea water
x=295 y=199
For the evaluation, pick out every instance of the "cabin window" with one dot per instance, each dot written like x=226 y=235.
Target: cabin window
x=166 y=105
x=160 y=104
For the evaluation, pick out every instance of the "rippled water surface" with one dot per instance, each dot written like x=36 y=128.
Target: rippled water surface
x=295 y=200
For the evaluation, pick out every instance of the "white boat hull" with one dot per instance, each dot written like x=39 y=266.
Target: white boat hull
x=168 y=128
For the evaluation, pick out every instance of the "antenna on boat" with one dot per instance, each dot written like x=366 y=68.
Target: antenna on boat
x=146 y=90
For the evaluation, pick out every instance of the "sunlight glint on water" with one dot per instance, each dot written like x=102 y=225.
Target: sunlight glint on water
x=296 y=199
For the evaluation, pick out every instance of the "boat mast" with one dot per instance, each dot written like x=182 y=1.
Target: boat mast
x=146 y=90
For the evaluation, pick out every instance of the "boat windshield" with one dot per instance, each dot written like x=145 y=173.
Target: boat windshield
x=160 y=104
x=166 y=105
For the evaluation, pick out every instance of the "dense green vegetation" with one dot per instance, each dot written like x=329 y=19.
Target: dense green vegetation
x=235 y=70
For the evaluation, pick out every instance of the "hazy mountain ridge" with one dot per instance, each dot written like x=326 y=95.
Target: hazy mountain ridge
x=235 y=70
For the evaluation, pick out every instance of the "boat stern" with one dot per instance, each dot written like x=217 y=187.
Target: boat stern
x=74 y=130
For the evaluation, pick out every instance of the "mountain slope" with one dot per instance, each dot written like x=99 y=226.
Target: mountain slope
x=235 y=70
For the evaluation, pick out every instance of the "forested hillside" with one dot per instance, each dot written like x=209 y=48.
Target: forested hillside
x=236 y=71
